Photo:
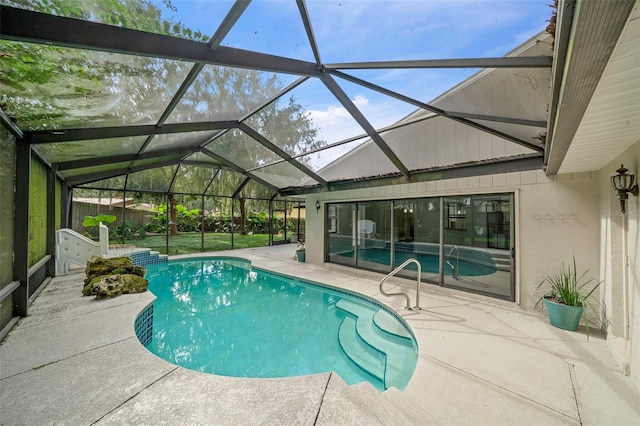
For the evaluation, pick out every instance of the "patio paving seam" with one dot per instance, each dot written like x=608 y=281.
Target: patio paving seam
x=38 y=367
x=135 y=395
x=576 y=391
x=25 y=324
x=467 y=373
x=475 y=333
x=324 y=393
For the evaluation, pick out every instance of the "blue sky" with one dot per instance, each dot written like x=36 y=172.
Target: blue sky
x=374 y=30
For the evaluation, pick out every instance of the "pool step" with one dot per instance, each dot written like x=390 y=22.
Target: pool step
x=366 y=357
x=148 y=257
x=376 y=342
x=502 y=260
x=387 y=323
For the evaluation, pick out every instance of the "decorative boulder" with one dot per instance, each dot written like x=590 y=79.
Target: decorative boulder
x=98 y=266
x=111 y=277
x=108 y=286
x=133 y=283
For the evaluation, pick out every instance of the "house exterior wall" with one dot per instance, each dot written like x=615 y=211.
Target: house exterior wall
x=556 y=219
x=620 y=265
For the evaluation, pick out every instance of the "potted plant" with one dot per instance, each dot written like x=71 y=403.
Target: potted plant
x=568 y=297
x=300 y=252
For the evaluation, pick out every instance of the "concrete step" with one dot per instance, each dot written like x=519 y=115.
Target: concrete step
x=362 y=404
x=412 y=413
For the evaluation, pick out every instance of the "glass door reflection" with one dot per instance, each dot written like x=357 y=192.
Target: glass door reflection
x=341 y=234
x=374 y=235
x=417 y=235
x=477 y=244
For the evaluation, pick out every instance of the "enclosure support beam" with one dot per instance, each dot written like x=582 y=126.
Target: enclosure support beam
x=342 y=97
x=281 y=153
x=441 y=245
x=489 y=167
x=501 y=62
x=237 y=168
x=35 y=27
x=233 y=222
x=124 y=210
x=438 y=111
x=166 y=219
x=304 y=14
x=68 y=205
x=51 y=221
x=21 y=229
x=11 y=125
x=202 y=225
x=110 y=132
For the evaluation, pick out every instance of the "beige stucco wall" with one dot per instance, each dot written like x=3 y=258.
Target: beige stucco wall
x=556 y=218
x=620 y=266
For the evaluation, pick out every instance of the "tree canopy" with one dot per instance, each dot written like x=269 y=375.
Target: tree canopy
x=50 y=87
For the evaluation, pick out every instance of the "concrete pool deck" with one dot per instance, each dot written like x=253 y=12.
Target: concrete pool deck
x=75 y=360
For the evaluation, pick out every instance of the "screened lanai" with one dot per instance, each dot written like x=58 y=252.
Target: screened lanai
x=261 y=104
x=106 y=100
x=398 y=128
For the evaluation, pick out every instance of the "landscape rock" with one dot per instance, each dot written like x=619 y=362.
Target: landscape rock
x=109 y=286
x=133 y=283
x=111 y=277
x=98 y=266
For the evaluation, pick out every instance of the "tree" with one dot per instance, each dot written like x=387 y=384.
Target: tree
x=49 y=87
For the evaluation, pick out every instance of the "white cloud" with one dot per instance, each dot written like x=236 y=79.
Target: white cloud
x=361 y=102
x=335 y=123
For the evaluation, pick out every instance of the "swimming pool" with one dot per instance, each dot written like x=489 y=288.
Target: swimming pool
x=222 y=316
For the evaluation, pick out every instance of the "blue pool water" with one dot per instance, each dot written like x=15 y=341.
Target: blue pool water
x=221 y=316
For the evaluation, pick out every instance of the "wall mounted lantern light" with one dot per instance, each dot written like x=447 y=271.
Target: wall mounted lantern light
x=623 y=184
x=317 y=206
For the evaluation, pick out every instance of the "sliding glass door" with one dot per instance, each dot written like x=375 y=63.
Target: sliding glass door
x=477 y=244
x=374 y=235
x=417 y=235
x=340 y=225
x=477 y=231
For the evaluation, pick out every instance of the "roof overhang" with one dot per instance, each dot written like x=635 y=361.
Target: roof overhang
x=595 y=105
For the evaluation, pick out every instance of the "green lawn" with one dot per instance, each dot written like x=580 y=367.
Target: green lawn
x=187 y=242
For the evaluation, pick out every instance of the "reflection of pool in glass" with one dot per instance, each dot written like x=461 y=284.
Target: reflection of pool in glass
x=221 y=316
x=430 y=263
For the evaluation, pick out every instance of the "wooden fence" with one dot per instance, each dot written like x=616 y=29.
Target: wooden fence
x=80 y=210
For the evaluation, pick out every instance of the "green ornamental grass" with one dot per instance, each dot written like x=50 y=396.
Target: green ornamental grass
x=569 y=288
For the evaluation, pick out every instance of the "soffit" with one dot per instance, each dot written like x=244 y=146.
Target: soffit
x=595 y=116
x=611 y=123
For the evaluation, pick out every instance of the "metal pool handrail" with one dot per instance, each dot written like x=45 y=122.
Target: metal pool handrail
x=395 y=271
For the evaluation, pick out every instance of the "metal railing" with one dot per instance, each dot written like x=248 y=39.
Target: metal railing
x=454 y=268
x=406 y=296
